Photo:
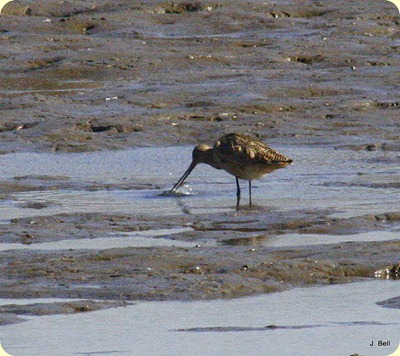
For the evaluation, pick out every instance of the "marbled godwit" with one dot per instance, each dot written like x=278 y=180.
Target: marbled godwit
x=240 y=155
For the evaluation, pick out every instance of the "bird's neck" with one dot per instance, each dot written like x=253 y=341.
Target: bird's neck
x=210 y=159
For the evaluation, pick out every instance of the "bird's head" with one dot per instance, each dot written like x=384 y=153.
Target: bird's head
x=201 y=154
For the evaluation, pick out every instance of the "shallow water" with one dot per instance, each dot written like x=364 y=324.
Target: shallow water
x=35 y=300
x=115 y=240
x=293 y=240
x=334 y=320
x=351 y=182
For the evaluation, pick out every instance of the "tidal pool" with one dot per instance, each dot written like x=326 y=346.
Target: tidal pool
x=115 y=240
x=331 y=320
x=349 y=182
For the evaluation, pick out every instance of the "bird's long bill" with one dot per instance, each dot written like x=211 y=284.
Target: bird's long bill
x=185 y=175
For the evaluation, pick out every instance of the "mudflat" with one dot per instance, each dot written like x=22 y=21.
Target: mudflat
x=97 y=75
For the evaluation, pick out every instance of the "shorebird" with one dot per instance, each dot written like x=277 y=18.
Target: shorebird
x=240 y=155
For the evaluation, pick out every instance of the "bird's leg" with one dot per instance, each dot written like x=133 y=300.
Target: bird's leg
x=237 y=193
x=249 y=193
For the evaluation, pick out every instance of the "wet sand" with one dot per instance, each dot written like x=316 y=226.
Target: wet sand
x=78 y=77
x=93 y=76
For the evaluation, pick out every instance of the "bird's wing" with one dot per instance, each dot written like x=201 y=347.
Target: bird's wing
x=243 y=149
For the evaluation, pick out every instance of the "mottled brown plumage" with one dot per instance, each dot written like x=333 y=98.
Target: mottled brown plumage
x=246 y=157
x=240 y=155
